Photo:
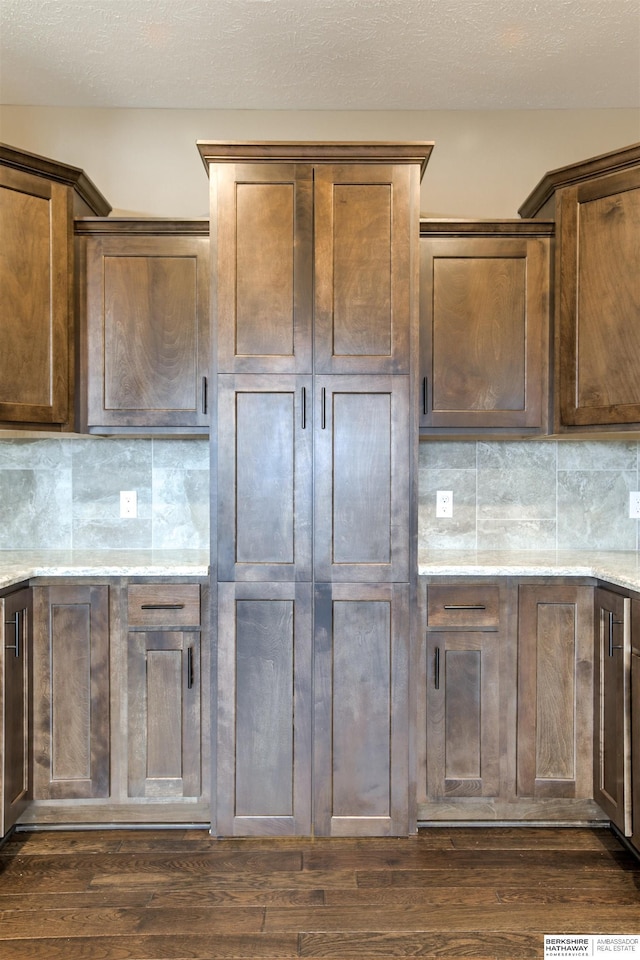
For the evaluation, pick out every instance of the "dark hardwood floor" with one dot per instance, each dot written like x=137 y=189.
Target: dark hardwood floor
x=457 y=893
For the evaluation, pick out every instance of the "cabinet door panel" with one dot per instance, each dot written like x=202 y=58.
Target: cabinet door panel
x=264 y=478
x=361 y=715
x=483 y=332
x=164 y=719
x=264 y=709
x=635 y=722
x=463 y=715
x=363 y=268
x=147 y=331
x=612 y=748
x=555 y=677
x=71 y=692
x=264 y=214
x=35 y=299
x=599 y=344
x=361 y=479
x=15 y=614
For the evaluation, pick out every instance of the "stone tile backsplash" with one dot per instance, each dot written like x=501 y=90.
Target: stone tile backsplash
x=537 y=495
x=65 y=493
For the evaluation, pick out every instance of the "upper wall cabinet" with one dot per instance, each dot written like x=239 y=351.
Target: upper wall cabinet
x=144 y=308
x=484 y=327
x=596 y=206
x=38 y=200
x=321 y=279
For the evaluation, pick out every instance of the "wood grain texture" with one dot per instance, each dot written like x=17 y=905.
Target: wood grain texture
x=36 y=323
x=599 y=297
x=71 y=691
x=555 y=691
x=15 y=706
x=146 y=312
x=484 y=894
x=484 y=334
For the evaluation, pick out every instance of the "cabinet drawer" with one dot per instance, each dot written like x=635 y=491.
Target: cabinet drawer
x=475 y=605
x=164 y=605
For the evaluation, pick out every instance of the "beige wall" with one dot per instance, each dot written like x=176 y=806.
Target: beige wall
x=484 y=164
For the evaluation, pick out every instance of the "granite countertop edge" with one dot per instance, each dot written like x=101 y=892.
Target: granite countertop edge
x=618 y=567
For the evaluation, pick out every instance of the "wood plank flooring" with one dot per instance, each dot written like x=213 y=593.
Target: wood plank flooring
x=171 y=895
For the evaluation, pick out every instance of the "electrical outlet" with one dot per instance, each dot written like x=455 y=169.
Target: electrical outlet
x=444 y=503
x=128 y=503
x=634 y=505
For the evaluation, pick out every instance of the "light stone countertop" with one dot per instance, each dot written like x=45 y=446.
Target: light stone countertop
x=619 y=567
x=19 y=565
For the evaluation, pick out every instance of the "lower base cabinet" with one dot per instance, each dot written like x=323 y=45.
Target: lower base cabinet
x=120 y=702
x=341 y=700
x=635 y=723
x=15 y=656
x=505 y=701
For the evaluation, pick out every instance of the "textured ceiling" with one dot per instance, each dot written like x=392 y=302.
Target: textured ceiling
x=321 y=54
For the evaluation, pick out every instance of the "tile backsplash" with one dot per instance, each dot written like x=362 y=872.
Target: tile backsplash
x=65 y=493
x=541 y=495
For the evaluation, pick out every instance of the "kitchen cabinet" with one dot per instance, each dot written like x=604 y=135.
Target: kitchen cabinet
x=465 y=700
x=596 y=207
x=635 y=723
x=164 y=690
x=71 y=691
x=38 y=200
x=505 y=700
x=555 y=682
x=612 y=748
x=144 y=296
x=484 y=327
x=15 y=779
x=315 y=266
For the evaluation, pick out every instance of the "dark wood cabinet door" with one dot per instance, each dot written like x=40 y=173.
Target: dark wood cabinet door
x=463 y=715
x=361 y=713
x=484 y=332
x=612 y=749
x=635 y=722
x=365 y=258
x=264 y=709
x=36 y=362
x=15 y=613
x=71 y=692
x=264 y=498
x=362 y=479
x=599 y=301
x=262 y=251
x=147 y=320
x=555 y=681
x=164 y=714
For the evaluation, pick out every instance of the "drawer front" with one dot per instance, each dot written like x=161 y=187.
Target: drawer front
x=164 y=605
x=476 y=605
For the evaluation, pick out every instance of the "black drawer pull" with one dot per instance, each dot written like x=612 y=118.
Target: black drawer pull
x=189 y=668
x=611 y=623
x=464 y=606
x=162 y=606
x=436 y=668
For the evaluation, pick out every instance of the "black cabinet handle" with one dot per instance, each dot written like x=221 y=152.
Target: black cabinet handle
x=436 y=668
x=323 y=412
x=15 y=623
x=613 y=647
x=464 y=606
x=162 y=606
x=189 y=668
x=425 y=405
x=205 y=395
x=304 y=408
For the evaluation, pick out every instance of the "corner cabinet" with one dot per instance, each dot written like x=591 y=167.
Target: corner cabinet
x=484 y=328
x=144 y=310
x=314 y=251
x=15 y=703
x=596 y=207
x=38 y=200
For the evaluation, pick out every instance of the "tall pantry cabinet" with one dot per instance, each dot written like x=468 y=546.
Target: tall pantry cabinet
x=314 y=251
